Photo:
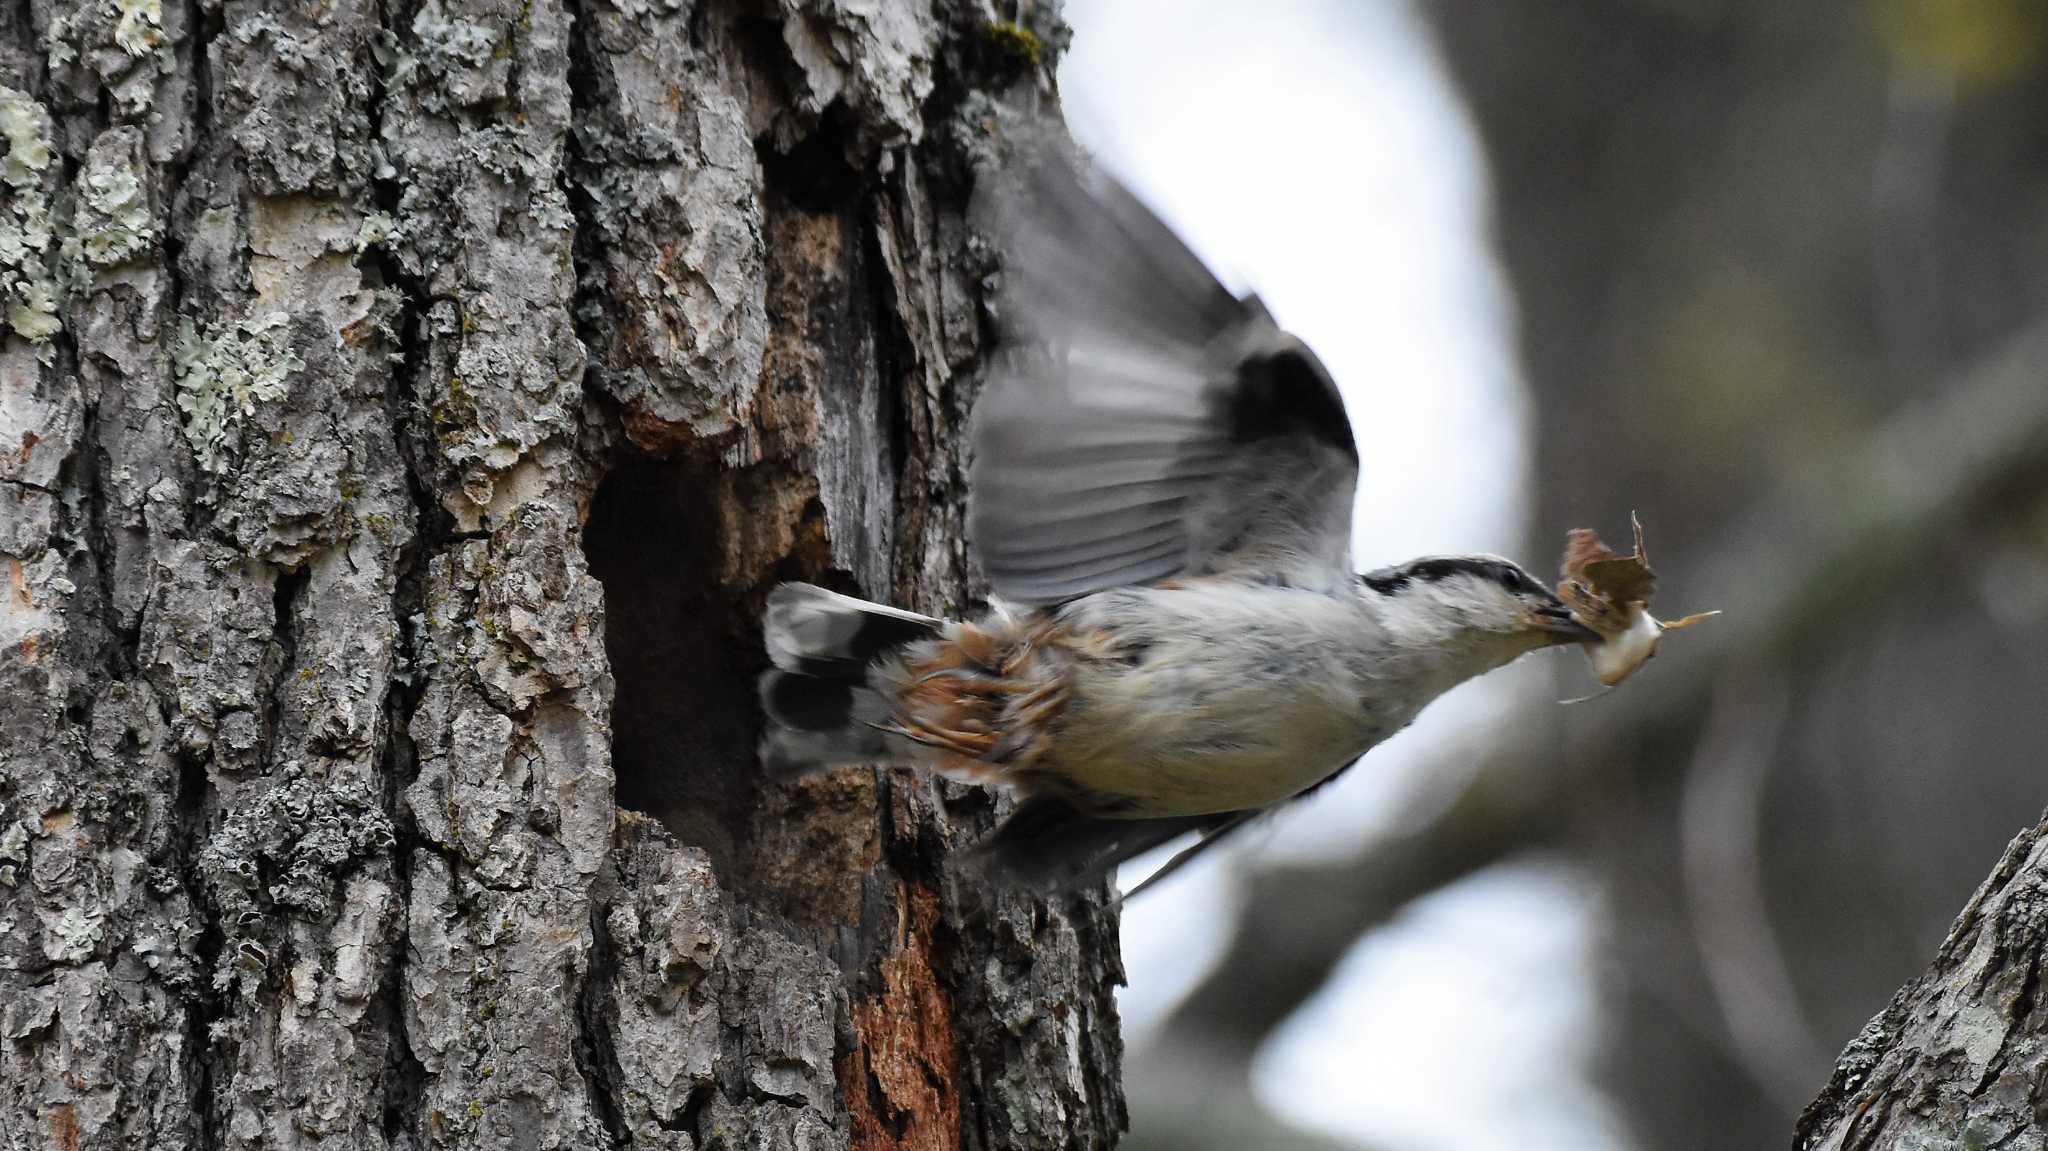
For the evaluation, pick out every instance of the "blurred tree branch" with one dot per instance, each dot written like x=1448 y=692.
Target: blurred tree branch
x=1184 y=1104
x=1722 y=863
x=1799 y=568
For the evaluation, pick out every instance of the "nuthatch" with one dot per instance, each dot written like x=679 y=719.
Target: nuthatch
x=1161 y=497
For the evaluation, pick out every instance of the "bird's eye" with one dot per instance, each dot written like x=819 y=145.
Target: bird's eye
x=1513 y=581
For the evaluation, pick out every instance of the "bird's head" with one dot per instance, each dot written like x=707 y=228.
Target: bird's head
x=1485 y=607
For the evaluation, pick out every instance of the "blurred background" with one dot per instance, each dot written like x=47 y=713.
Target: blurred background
x=1775 y=276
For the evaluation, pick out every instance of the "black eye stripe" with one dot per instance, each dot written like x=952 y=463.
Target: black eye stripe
x=1389 y=581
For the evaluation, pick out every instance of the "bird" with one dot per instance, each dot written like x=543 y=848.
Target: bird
x=1160 y=495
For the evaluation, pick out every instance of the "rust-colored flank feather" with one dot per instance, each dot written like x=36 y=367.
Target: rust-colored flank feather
x=984 y=696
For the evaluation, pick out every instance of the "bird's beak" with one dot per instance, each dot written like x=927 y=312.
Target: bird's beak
x=1556 y=623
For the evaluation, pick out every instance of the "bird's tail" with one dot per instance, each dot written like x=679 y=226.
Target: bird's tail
x=822 y=711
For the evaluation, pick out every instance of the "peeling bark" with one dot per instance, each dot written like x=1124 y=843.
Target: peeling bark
x=404 y=408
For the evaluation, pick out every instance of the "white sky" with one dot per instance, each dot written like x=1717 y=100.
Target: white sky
x=1313 y=151
x=1481 y=979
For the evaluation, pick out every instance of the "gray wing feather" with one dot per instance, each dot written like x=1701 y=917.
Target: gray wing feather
x=1167 y=428
x=1046 y=844
x=1092 y=255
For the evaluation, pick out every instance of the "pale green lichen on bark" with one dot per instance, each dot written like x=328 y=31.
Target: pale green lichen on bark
x=223 y=374
x=27 y=128
x=13 y=852
x=375 y=229
x=111 y=221
x=25 y=226
x=138 y=26
x=75 y=936
x=121 y=46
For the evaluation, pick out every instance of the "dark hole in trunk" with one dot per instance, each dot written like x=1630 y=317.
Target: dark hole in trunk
x=683 y=655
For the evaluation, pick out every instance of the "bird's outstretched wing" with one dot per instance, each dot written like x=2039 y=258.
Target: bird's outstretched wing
x=1149 y=424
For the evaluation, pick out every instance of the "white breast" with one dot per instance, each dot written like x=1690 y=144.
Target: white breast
x=1241 y=697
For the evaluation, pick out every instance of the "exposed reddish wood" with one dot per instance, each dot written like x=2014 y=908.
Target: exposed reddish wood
x=656 y=436
x=64 y=1133
x=901 y=1080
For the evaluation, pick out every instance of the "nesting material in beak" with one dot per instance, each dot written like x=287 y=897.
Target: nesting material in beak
x=1559 y=626
x=1611 y=594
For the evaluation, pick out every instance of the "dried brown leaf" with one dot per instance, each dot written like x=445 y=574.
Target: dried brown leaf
x=1611 y=594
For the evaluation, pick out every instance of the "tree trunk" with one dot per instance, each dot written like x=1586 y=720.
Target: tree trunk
x=406 y=407
x=1960 y=1057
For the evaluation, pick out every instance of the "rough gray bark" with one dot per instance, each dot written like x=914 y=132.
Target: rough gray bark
x=405 y=407
x=1960 y=1056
